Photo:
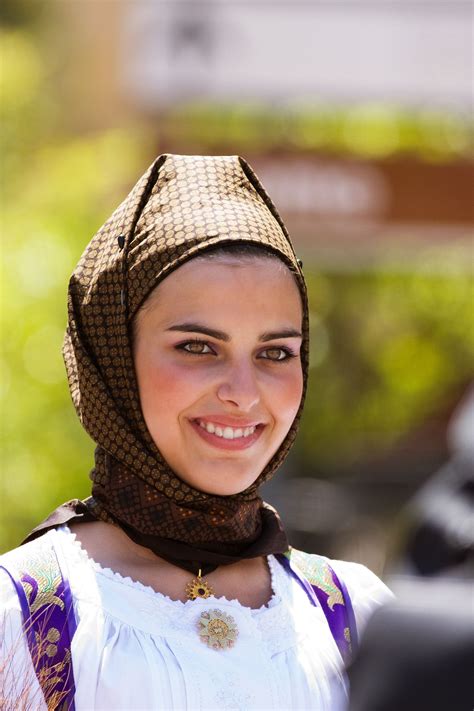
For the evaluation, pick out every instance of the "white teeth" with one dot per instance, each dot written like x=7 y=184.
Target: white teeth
x=227 y=432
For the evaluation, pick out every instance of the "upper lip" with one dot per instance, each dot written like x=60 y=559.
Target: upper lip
x=227 y=421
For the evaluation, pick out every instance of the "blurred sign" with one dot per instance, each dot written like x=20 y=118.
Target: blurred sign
x=334 y=188
x=395 y=190
x=413 y=53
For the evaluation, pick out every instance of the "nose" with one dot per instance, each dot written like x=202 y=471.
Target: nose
x=240 y=387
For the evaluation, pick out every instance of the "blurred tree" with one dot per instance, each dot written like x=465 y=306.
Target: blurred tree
x=56 y=191
x=366 y=130
x=389 y=349
x=17 y=13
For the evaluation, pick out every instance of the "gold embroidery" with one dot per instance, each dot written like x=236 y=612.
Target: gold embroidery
x=51 y=650
x=53 y=635
x=45 y=643
x=347 y=637
x=39 y=574
x=43 y=568
x=316 y=571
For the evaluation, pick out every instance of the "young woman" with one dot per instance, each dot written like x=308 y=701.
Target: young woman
x=173 y=586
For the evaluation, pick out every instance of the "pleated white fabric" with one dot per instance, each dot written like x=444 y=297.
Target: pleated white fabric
x=135 y=649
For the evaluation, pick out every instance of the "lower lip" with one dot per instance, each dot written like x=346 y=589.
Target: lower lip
x=229 y=444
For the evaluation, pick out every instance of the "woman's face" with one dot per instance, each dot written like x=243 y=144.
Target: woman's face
x=217 y=358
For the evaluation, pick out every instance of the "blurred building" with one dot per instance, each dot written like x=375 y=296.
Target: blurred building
x=153 y=54
x=365 y=191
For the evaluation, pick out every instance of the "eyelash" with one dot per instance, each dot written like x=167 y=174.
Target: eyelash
x=287 y=351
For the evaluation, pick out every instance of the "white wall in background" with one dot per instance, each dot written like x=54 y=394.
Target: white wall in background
x=412 y=52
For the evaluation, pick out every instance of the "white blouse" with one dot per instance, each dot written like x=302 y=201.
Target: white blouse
x=135 y=648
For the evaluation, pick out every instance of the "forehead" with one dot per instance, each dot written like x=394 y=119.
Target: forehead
x=227 y=284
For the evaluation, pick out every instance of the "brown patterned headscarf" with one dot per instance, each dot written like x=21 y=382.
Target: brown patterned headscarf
x=181 y=207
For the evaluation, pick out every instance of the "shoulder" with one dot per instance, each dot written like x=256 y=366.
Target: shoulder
x=27 y=563
x=28 y=556
x=37 y=567
x=19 y=680
x=366 y=590
x=359 y=579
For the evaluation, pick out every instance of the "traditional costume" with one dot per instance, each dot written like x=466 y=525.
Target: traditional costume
x=101 y=641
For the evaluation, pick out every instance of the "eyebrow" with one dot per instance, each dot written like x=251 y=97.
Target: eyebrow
x=221 y=336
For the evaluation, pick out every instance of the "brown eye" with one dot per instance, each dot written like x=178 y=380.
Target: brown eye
x=196 y=347
x=276 y=354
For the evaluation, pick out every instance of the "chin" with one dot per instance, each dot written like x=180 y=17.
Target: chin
x=220 y=490
x=219 y=485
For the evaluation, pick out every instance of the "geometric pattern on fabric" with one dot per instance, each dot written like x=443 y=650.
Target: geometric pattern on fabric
x=181 y=207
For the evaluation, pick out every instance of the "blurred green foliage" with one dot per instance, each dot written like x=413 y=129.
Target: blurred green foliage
x=388 y=350
x=56 y=192
x=64 y=192
x=18 y=13
x=366 y=131
x=387 y=347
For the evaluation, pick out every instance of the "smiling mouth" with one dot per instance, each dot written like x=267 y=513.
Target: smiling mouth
x=227 y=437
x=227 y=432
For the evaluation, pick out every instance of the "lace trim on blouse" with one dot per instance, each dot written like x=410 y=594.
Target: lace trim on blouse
x=273 y=620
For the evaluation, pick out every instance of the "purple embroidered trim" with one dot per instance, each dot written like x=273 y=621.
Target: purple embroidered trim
x=25 y=610
x=69 y=611
x=48 y=620
x=332 y=596
x=351 y=620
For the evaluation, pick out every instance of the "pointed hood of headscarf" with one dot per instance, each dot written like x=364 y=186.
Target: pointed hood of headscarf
x=181 y=207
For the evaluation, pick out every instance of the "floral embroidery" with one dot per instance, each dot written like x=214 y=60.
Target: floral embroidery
x=235 y=696
x=48 y=619
x=316 y=571
x=42 y=581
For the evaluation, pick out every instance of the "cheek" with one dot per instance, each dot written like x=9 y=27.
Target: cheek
x=167 y=390
x=286 y=396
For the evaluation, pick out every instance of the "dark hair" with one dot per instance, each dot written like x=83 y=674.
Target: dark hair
x=238 y=249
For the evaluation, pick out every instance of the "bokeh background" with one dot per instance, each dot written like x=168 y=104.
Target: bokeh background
x=355 y=114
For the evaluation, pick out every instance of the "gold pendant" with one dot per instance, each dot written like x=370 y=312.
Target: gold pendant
x=198 y=588
x=217 y=630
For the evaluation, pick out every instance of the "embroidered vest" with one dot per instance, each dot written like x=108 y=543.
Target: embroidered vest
x=38 y=576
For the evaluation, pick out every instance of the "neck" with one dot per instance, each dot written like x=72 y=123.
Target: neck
x=247 y=580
